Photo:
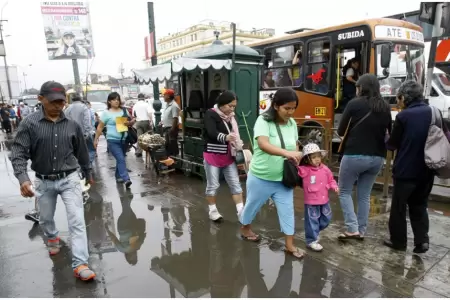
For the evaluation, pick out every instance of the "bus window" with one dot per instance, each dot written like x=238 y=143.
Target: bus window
x=283 y=67
x=317 y=69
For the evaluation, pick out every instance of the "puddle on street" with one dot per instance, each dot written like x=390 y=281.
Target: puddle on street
x=156 y=240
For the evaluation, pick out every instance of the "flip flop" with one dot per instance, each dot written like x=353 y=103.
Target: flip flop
x=344 y=236
x=297 y=253
x=251 y=238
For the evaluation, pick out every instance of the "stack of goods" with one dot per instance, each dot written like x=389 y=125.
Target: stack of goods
x=148 y=140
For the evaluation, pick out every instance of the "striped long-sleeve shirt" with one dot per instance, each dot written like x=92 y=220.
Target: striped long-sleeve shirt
x=53 y=147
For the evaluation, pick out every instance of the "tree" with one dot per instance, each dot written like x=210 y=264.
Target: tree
x=31 y=91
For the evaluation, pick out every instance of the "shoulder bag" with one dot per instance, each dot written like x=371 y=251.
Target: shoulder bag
x=132 y=137
x=437 y=146
x=291 y=179
x=348 y=129
x=239 y=158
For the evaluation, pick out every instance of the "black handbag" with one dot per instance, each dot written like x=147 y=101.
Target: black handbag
x=291 y=179
x=132 y=137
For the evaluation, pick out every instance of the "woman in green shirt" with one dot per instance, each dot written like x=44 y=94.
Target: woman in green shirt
x=264 y=180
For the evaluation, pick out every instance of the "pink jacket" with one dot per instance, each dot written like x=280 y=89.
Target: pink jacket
x=316 y=183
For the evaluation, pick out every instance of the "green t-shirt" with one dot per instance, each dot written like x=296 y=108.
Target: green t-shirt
x=266 y=166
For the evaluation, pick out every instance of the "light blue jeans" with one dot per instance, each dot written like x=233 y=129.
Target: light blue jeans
x=213 y=179
x=364 y=171
x=259 y=191
x=69 y=189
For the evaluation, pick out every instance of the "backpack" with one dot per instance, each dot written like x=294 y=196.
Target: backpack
x=437 y=146
x=132 y=137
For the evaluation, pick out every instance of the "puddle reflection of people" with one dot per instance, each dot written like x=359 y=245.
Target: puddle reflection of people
x=396 y=264
x=256 y=286
x=179 y=218
x=131 y=233
x=225 y=270
x=314 y=275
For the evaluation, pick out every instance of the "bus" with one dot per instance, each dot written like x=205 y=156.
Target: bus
x=321 y=54
x=440 y=83
x=93 y=92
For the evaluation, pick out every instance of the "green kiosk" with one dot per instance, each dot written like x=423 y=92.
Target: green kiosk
x=202 y=75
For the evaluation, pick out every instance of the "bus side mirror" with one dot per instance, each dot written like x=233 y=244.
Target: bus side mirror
x=385 y=59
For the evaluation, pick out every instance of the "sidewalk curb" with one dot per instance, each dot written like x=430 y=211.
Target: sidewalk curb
x=432 y=197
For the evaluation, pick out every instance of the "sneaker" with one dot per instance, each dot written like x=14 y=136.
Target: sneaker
x=214 y=215
x=32 y=216
x=128 y=184
x=315 y=246
x=53 y=246
x=84 y=273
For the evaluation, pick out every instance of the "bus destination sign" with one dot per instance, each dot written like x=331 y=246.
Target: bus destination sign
x=401 y=33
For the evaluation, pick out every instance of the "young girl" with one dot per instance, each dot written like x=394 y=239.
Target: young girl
x=317 y=180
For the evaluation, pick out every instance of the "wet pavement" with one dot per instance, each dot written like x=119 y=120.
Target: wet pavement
x=156 y=241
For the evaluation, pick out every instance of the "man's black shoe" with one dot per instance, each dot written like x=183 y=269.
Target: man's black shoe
x=421 y=248
x=32 y=216
x=391 y=245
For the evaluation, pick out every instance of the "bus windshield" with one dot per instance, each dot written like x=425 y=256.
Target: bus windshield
x=407 y=63
x=97 y=96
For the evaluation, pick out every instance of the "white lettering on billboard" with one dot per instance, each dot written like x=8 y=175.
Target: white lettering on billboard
x=67 y=28
x=400 y=33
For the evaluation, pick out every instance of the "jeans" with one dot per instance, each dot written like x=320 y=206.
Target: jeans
x=413 y=194
x=91 y=149
x=118 y=150
x=317 y=218
x=6 y=126
x=213 y=179
x=259 y=191
x=364 y=171
x=69 y=189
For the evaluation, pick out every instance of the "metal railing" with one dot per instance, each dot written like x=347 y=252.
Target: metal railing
x=333 y=162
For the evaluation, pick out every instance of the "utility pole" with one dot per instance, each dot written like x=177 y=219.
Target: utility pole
x=151 y=26
x=437 y=32
x=76 y=75
x=8 y=82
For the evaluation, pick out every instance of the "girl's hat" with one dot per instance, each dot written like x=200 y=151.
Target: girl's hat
x=313 y=148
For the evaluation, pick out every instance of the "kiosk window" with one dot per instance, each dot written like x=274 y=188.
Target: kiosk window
x=317 y=70
x=283 y=67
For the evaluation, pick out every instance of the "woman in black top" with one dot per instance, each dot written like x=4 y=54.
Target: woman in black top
x=370 y=119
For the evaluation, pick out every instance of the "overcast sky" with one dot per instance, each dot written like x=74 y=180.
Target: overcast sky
x=119 y=27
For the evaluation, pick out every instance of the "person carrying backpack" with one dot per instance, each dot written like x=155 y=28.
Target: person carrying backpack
x=413 y=180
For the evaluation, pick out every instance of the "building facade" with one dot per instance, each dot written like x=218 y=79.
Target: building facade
x=201 y=35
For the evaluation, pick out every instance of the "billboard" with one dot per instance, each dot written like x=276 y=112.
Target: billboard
x=67 y=30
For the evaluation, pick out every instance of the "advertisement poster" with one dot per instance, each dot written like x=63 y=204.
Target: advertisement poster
x=265 y=100
x=67 y=28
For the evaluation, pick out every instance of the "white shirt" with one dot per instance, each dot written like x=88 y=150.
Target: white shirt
x=142 y=111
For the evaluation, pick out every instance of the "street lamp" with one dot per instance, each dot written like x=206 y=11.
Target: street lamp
x=23 y=73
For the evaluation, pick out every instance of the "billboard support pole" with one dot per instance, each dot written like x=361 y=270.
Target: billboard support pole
x=8 y=82
x=76 y=75
x=157 y=105
x=437 y=31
